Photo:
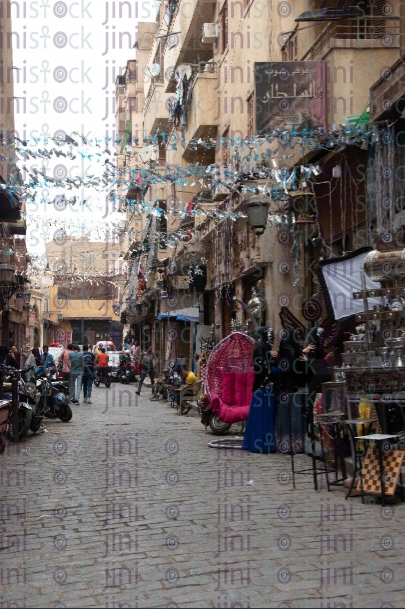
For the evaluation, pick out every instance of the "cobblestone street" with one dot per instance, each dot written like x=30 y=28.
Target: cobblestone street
x=127 y=506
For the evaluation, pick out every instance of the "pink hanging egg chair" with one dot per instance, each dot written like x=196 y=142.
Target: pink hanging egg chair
x=229 y=378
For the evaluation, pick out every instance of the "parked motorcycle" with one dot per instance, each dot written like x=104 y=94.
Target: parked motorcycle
x=51 y=399
x=102 y=375
x=24 y=407
x=5 y=409
x=209 y=419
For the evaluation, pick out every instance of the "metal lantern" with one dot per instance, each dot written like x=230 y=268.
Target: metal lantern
x=257 y=209
x=301 y=207
x=257 y=304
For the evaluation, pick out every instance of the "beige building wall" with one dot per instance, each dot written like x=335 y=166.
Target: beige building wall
x=85 y=257
x=223 y=106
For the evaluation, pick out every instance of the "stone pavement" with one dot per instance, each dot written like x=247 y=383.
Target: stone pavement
x=126 y=506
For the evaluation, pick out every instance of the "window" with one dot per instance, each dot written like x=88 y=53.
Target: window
x=223 y=19
x=290 y=50
x=251 y=115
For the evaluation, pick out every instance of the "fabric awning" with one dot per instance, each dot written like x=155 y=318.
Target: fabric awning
x=188 y=314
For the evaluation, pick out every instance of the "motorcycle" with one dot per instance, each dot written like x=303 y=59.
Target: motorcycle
x=102 y=375
x=209 y=419
x=51 y=399
x=5 y=408
x=127 y=372
x=24 y=407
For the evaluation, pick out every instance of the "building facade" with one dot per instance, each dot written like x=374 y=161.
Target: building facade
x=83 y=304
x=233 y=93
x=13 y=280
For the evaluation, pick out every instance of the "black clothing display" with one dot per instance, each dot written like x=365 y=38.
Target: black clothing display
x=262 y=357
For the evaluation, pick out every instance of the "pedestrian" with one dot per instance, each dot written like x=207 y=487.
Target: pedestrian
x=64 y=357
x=76 y=367
x=17 y=356
x=33 y=359
x=135 y=351
x=88 y=376
x=148 y=361
x=47 y=358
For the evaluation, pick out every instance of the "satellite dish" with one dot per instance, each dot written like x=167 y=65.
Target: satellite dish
x=154 y=69
x=122 y=225
x=184 y=69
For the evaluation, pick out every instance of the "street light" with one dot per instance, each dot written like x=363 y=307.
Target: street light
x=257 y=212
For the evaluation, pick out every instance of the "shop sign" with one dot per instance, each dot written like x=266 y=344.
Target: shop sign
x=289 y=95
x=62 y=337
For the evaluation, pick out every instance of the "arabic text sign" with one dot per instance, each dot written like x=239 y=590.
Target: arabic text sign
x=289 y=93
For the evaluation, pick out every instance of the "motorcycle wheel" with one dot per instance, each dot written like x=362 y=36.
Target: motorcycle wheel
x=35 y=424
x=97 y=383
x=108 y=384
x=217 y=426
x=125 y=380
x=24 y=422
x=66 y=415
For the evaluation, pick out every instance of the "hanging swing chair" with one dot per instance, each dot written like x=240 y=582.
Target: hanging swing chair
x=229 y=378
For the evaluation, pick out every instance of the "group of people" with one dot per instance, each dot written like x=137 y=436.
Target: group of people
x=170 y=385
x=78 y=368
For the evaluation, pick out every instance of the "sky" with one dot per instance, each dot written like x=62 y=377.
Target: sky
x=68 y=55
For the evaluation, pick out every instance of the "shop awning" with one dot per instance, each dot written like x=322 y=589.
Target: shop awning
x=188 y=314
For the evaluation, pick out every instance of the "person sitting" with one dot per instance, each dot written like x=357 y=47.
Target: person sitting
x=17 y=355
x=10 y=360
x=102 y=360
x=188 y=378
x=160 y=386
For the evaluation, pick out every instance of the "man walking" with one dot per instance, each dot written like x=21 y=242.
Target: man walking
x=76 y=366
x=148 y=362
x=64 y=357
x=89 y=375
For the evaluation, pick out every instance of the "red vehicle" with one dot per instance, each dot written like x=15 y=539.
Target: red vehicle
x=108 y=345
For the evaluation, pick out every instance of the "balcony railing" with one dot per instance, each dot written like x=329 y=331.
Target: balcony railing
x=370 y=32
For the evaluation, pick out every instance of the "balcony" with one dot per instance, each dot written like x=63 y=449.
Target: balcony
x=188 y=47
x=387 y=95
x=156 y=112
x=201 y=106
x=349 y=47
x=368 y=33
x=18 y=228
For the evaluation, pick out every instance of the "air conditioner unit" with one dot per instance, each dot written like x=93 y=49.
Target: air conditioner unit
x=210 y=33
